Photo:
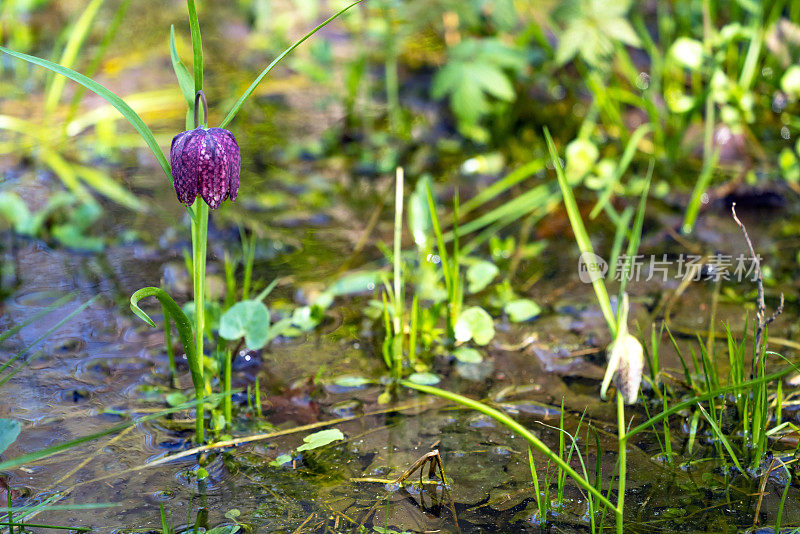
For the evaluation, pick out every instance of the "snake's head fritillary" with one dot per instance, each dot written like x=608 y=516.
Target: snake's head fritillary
x=205 y=162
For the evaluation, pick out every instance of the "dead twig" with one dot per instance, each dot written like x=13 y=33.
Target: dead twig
x=432 y=459
x=761 y=307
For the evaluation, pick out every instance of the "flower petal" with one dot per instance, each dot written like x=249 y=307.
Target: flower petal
x=212 y=171
x=227 y=143
x=183 y=176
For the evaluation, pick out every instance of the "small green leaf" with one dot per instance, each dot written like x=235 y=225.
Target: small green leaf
x=176 y=398
x=475 y=70
x=493 y=80
x=790 y=82
x=468 y=355
x=281 y=460
x=305 y=318
x=522 y=310
x=425 y=379
x=789 y=165
x=687 y=52
x=480 y=274
x=355 y=283
x=621 y=30
x=581 y=156
x=15 y=211
x=248 y=319
x=9 y=430
x=72 y=237
x=419 y=216
x=320 y=439
x=352 y=381
x=476 y=324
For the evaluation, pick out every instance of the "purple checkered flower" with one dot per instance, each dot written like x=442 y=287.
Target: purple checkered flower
x=205 y=162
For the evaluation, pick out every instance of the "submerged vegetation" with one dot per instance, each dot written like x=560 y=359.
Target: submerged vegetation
x=546 y=248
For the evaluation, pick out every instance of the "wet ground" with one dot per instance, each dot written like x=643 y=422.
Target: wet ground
x=105 y=366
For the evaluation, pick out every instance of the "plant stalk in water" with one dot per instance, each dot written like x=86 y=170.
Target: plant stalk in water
x=199 y=227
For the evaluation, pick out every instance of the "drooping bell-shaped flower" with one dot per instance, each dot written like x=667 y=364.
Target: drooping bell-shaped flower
x=625 y=360
x=205 y=162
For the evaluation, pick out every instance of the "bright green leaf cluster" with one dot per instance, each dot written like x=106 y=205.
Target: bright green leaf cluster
x=477 y=70
x=592 y=27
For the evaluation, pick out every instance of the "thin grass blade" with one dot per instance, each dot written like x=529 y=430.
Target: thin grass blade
x=235 y=109
x=111 y=98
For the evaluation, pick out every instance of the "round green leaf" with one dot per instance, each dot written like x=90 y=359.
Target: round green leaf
x=9 y=430
x=474 y=323
x=687 y=52
x=468 y=355
x=480 y=275
x=248 y=319
x=522 y=310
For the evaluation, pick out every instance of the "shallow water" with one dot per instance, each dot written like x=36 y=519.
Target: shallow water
x=106 y=360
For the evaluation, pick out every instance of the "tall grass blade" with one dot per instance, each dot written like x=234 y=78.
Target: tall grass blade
x=185 y=80
x=622 y=166
x=504 y=184
x=99 y=54
x=619 y=239
x=197 y=48
x=700 y=187
x=675 y=408
x=721 y=437
x=540 y=503
x=110 y=97
x=581 y=236
x=636 y=234
x=77 y=36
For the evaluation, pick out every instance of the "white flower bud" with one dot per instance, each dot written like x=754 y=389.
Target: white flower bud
x=625 y=361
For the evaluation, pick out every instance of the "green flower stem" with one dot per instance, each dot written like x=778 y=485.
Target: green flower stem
x=226 y=378
x=199 y=226
x=199 y=244
x=184 y=327
x=397 y=348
